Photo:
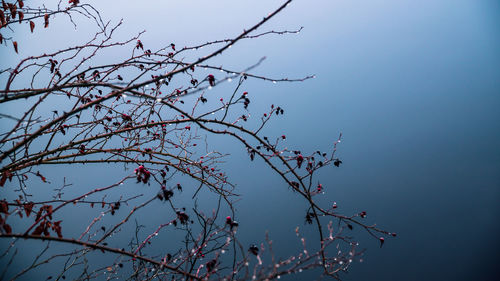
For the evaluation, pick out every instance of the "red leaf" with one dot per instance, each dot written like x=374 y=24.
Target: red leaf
x=13 y=10
x=49 y=211
x=21 y=3
x=7 y=228
x=4 y=207
x=28 y=207
x=39 y=214
x=21 y=16
x=58 y=231
x=46 y=19
x=32 y=26
x=3 y=179
x=15 y=46
x=3 y=21
x=38 y=230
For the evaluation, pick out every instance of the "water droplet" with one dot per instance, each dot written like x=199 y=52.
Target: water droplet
x=274 y=82
x=229 y=80
x=158 y=100
x=210 y=87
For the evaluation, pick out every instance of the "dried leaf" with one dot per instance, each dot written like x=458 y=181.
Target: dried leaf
x=32 y=26
x=15 y=46
x=28 y=207
x=57 y=228
x=4 y=176
x=7 y=228
x=46 y=19
x=4 y=207
x=49 y=211
x=21 y=3
x=13 y=10
x=38 y=230
x=21 y=16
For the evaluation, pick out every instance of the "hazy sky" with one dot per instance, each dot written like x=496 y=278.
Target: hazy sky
x=414 y=86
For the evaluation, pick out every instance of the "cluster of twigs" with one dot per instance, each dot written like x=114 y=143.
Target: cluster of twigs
x=151 y=112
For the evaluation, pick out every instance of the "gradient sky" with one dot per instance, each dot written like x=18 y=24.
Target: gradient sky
x=414 y=86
